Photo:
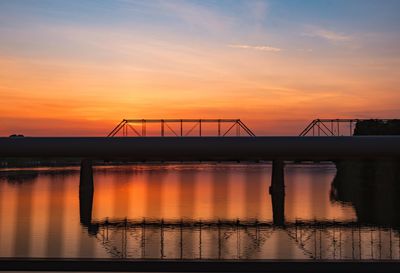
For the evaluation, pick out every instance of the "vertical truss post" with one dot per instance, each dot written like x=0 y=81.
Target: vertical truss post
x=162 y=127
x=219 y=127
x=143 y=127
x=351 y=127
x=319 y=128
x=200 y=127
x=181 y=127
x=338 y=128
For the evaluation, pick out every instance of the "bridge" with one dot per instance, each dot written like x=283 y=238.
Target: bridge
x=143 y=148
x=160 y=149
x=182 y=145
x=204 y=148
x=166 y=127
x=338 y=127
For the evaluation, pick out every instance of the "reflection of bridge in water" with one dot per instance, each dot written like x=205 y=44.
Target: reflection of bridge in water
x=237 y=239
x=188 y=239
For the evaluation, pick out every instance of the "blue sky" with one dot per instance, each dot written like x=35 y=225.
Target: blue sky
x=267 y=60
x=284 y=24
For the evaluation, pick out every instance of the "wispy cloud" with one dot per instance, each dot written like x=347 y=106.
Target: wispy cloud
x=327 y=34
x=257 y=47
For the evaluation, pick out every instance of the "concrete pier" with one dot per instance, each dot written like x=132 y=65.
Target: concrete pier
x=277 y=192
x=86 y=191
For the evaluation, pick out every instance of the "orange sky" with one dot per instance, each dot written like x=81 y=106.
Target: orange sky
x=75 y=76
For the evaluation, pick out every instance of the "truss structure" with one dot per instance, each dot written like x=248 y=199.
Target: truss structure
x=181 y=127
x=334 y=127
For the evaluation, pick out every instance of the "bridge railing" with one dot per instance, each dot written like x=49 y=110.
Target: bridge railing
x=181 y=127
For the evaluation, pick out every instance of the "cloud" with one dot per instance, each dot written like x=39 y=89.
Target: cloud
x=327 y=34
x=260 y=47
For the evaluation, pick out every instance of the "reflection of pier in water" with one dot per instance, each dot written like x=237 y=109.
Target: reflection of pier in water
x=222 y=239
x=188 y=239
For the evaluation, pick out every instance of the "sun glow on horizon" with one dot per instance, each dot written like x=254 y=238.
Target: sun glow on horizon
x=79 y=68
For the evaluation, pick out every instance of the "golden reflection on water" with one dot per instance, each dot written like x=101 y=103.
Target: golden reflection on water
x=39 y=212
x=211 y=192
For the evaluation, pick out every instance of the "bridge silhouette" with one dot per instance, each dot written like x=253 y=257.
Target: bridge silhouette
x=205 y=148
x=337 y=127
x=317 y=127
x=166 y=126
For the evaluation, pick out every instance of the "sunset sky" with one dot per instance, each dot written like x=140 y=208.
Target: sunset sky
x=78 y=67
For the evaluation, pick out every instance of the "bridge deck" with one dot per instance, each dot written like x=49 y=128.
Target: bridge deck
x=203 y=148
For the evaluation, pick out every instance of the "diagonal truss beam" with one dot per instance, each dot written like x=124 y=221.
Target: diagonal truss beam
x=126 y=123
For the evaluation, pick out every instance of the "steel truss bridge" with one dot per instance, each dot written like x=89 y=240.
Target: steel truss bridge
x=194 y=127
x=334 y=127
x=188 y=239
x=235 y=127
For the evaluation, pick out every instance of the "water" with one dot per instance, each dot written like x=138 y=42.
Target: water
x=195 y=211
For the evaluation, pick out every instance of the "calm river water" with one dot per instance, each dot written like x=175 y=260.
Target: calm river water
x=197 y=211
